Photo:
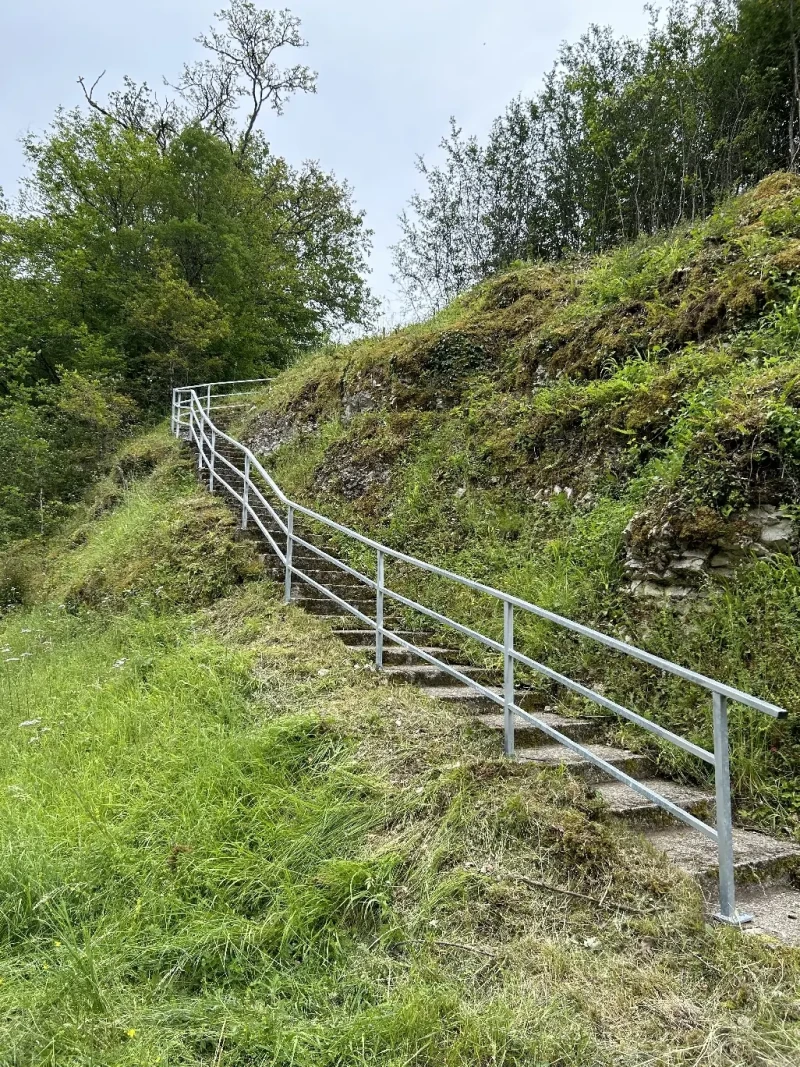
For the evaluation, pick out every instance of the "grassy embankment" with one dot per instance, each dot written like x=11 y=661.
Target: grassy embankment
x=223 y=841
x=560 y=418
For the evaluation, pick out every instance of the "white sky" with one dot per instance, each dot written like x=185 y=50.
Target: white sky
x=390 y=76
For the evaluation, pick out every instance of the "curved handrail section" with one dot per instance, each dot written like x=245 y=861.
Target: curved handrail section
x=192 y=408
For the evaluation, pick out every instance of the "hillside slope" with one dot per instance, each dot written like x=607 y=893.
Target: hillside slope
x=616 y=439
x=225 y=840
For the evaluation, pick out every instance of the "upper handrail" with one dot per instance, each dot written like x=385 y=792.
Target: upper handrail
x=233 y=381
x=688 y=675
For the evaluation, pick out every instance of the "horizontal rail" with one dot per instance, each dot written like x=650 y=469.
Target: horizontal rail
x=234 y=381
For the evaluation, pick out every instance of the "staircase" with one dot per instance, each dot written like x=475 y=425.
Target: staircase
x=766 y=868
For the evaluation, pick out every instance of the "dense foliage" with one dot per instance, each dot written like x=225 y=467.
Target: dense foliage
x=625 y=138
x=156 y=244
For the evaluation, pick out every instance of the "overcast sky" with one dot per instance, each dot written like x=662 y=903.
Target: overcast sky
x=390 y=75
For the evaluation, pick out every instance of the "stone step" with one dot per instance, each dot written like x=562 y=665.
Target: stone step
x=756 y=857
x=323 y=605
x=583 y=730
x=626 y=804
x=365 y=638
x=775 y=908
x=396 y=655
x=556 y=755
x=476 y=703
x=340 y=584
x=429 y=675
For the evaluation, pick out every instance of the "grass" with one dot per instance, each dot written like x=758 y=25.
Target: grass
x=225 y=840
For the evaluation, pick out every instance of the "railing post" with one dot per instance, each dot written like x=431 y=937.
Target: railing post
x=508 y=677
x=211 y=461
x=208 y=401
x=245 y=488
x=722 y=778
x=379 y=612
x=287 y=592
x=173 y=416
x=199 y=437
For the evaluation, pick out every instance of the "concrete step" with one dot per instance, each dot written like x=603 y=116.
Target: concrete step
x=556 y=755
x=396 y=655
x=352 y=592
x=583 y=730
x=428 y=675
x=475 y=703
x=626 y=804
x=322 y=605
x=756 y=857
x=365 y=638
x=775 y=908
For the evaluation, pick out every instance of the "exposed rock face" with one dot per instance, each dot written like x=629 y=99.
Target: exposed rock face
x=279 y=430
x=352 y=480
x=359 y=402
x=662 y=564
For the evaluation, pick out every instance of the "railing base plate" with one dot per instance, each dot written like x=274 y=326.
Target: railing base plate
x=735 y=920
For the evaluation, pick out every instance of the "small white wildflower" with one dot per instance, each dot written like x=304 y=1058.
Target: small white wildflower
x=26 y=631
x=25 y=655
x=119 y=663
x=30 y=722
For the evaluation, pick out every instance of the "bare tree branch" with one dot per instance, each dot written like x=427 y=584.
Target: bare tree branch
x=242 y=47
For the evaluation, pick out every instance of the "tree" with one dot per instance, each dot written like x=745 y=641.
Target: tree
x=625 y=138
x=166 y=266
x=158 y=240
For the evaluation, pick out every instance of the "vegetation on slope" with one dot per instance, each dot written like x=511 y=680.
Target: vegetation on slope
x=561 y=424
x=224 y=840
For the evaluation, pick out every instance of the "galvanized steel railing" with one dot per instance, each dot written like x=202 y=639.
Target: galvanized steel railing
x=191 y=417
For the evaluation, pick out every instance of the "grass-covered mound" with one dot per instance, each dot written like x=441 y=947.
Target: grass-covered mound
x=224 y=841
x=616 y=439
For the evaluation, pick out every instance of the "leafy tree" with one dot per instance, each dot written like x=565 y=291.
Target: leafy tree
x=158 y=240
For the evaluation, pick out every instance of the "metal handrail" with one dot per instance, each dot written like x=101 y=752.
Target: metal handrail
x=205 y=434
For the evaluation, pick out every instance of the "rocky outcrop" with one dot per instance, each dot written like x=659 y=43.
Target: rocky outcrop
x=661 y=561
x=275 y=431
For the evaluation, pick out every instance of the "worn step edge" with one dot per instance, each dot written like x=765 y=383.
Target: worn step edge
x=626 y=805
x=556 y=755
x=365 y=638
x=578 y=729
x=755 y=856
x=431 y=674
